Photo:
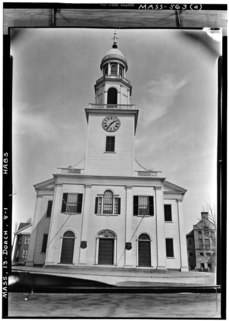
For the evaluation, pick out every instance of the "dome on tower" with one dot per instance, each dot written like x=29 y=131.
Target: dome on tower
x=114 y=54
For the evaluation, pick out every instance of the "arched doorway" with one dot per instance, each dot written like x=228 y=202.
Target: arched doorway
x=144 y=255
x=67 y=248
x=112 y=96
x=106 y=247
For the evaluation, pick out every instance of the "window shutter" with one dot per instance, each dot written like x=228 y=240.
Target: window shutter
x=151 y=207
x=79 y=203
x=64 y=202
x=49 y=209
x=135 y=205
x=96 y=205
x=119 y=205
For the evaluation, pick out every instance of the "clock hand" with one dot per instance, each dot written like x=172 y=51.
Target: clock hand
x=111 y=123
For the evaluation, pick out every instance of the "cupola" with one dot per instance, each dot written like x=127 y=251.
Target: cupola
x=114 y=62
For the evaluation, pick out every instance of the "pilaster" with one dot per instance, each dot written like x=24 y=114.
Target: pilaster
x=159 y=215
x=128 y=229
x=84 y=231
x=52 y=251
x=32 y=243
x=182 y=238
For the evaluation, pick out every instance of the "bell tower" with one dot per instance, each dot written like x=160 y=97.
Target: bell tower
x=112 y=119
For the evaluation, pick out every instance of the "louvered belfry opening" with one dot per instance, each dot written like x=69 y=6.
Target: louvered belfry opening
x=112 y=96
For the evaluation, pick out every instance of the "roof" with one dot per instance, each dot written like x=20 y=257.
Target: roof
x=114 y=54
x=24 y=228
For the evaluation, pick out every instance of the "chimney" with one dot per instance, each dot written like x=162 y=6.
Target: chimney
x=204 y=215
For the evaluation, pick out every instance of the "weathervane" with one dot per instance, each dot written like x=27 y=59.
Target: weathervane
x=115 y=38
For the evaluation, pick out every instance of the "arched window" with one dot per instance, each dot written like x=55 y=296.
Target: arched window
x=108 y=202
x=112 y=96
x=114 y=69
x=105 y=70
x=144 y=255
x=121 y=71
x=67 y=248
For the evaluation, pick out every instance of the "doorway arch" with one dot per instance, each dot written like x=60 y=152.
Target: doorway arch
x=112 y=96
x=144 y=250
x=106 y=247
x=67 y=250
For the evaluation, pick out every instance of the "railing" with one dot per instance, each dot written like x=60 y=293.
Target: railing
x=112 y=76
x=112 y=106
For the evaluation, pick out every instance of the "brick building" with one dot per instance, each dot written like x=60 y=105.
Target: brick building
x=201 y=245
x=21 y=243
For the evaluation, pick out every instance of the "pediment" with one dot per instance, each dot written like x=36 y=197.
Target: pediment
x=45 y=185
x=170 y=188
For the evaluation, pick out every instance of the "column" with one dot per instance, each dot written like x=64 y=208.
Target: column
x=159 y=215
x=53 y=249
x=84 y=228
x=182 y=237
x=105 y=95
x=128 y=229
x=32 y=243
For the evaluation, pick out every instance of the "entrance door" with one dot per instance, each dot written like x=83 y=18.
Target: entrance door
x=106 y=251
x=144 y=256
x=67 y=248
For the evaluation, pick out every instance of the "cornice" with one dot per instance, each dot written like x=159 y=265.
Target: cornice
x=108 y=180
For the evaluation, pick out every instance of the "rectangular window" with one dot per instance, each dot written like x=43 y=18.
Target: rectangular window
x=44 y=243
x=49 y=209
x=207 y=243
x=201 y=254
x=72 y=203
x=110 y=143
x=105 y=206
x=168 y=212
x=24 y=253
x=169 y=248
x=26 y=240
x=143 y=205
x=200 y=243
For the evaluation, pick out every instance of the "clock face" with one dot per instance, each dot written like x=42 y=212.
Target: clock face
x=111 y=123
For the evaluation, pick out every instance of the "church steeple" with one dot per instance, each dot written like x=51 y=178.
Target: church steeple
x=113 y=88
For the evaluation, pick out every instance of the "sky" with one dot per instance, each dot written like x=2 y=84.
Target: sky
x=174 y=79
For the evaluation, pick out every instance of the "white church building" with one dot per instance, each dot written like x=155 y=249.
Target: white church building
x=109 y=210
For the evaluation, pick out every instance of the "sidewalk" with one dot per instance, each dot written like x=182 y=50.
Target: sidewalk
x=126 y=277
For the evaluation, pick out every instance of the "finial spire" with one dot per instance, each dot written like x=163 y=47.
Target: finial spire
x=115 y=40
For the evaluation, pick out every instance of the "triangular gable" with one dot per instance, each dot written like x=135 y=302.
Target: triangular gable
x=204 y=223
x=26 y=229
x=172 y=188
x=48 y=184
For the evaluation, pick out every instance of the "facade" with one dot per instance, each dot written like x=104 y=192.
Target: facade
x=109 y=210
x=21 y=244
x=201 y=245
